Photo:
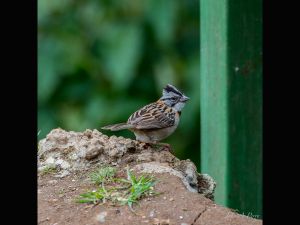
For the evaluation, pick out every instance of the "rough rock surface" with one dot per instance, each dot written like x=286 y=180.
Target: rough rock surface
x=78 y=151
x=185 y=196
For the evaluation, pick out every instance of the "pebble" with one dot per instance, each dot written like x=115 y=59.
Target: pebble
x=101 y=217
x=72 y=188
x=151 y=214
x=62 y=174
x=52 y=182
x=181 y=217
x=171 y=199
x=164 y=197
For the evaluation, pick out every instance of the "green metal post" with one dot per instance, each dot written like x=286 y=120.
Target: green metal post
x=231 y=101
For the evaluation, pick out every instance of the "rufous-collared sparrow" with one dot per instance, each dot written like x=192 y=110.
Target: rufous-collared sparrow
x=156 y=121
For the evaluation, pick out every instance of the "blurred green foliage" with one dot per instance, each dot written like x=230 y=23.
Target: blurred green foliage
x=99 y=61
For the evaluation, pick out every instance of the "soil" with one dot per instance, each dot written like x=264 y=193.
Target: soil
x=174 y=205
x=65 y=159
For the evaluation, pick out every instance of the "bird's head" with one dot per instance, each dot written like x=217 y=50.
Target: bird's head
x=174 y=98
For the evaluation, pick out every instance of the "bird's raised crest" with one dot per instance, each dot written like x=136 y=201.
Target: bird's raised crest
x=170 y=88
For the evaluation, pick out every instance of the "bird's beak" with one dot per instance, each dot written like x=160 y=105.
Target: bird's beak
x=184 y=98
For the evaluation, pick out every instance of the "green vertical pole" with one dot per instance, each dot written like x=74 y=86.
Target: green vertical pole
x=213 y=92
x=231 y=100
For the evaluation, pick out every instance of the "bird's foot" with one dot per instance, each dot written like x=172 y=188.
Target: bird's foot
x=166 y=147
x=145 y=145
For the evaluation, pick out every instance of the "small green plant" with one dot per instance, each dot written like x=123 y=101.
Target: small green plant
x=48 y=169
x=139 y=187
x=104 y=174
x=122 y=191
x=94 y=196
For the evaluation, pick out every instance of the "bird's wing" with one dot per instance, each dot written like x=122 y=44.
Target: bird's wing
x=153 y=116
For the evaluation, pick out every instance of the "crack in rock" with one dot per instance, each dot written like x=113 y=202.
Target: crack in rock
x=198 y=216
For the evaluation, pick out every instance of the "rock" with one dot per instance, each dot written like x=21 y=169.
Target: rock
x=62 y=164
x=50 y=160
x=187 y=171
x=94 y=152
x=101 y=217
x=152 y=213
x=62 y=174
x=206 y=185
x=79 y=151
x=157 y=221
x=52 y=182
x=185 y=192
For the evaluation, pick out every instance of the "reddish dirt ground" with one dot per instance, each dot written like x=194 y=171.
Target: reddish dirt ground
x=175 y=205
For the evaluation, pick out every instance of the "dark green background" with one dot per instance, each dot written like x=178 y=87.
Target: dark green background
x=99 y=61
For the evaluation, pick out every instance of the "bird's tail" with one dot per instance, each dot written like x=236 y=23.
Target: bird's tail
x=118 y=126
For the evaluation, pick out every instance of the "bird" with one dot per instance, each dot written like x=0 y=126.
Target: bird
x=155 y=121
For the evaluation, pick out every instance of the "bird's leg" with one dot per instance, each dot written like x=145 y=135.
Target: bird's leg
x=166 y=146
x=146 y=144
